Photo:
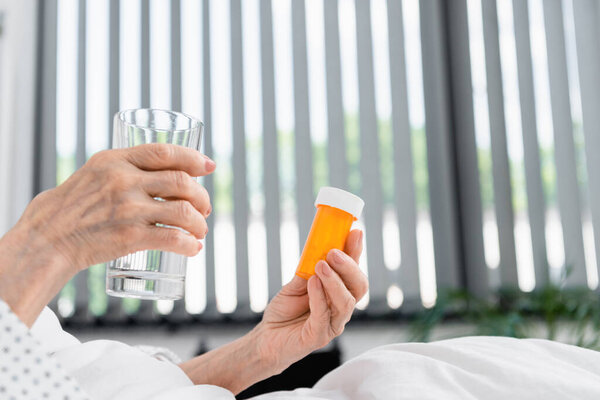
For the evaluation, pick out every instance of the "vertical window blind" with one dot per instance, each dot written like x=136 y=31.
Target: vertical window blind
x=469 y=129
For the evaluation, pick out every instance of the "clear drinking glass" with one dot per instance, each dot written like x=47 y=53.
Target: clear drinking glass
x=151 y=274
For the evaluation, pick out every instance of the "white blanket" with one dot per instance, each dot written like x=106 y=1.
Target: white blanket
x=465 y=368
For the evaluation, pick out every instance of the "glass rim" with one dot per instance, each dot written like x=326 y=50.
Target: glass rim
x=196 y=123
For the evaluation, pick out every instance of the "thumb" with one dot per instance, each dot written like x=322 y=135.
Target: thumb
x=296 y=287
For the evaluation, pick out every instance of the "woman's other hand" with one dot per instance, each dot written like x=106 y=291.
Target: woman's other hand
x=302 y=317
x=307 y=315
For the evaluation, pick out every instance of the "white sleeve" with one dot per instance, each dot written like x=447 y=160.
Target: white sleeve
x=110 y=370
x=26 y=369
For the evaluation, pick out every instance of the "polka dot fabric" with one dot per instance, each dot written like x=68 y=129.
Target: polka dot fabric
x=26 y=371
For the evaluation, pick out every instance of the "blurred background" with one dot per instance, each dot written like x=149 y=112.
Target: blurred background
x=470 y=128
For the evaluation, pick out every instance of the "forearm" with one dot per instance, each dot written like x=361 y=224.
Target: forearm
x=30 y=272
x=234 y=366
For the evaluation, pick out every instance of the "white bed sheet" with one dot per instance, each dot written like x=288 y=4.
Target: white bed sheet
x=465 y=368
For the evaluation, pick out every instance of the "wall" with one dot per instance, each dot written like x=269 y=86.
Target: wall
x=17 y=105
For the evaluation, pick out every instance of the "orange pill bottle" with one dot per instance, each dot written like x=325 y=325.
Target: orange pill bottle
x=336 y=211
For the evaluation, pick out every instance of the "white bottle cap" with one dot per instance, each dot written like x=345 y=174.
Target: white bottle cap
x=338 y=198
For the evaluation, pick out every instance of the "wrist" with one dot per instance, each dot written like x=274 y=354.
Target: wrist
x=272 y=359
x=234 y=366
x=31 y=272
x=268 y=358
x=49 y=238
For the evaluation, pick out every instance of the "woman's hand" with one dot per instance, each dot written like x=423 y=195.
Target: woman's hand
x=107 y=208
x=307 y=315
x=304 y=316
x=104 y=210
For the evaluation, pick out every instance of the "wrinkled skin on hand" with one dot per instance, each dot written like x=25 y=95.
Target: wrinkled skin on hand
x=307 y=315
x=107 y=208
x=302 y=317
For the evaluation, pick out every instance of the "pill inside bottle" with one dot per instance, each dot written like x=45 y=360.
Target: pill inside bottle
x=336 y=211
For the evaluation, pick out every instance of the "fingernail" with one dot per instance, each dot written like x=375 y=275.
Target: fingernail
x=200 y=246
x=210 y=165
x=209 y=211
x=338 y=256
x=360 y=238
x=325 y=269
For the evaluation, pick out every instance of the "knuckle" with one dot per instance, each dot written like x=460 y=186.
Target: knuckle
x=42 y=197
x=116 y=181
x=203 y=197
x=206 y=196
x=202 y=193
x=171 y=236
x=199 y=227
x=176 y=238
x=126 y=207
x=181 y=180
x=185 y=210
x=350 y=304
x=335 y=331
x=100 y=157
x=114 y=177
x=363 y=286
x=163 y=152
x=205 y=228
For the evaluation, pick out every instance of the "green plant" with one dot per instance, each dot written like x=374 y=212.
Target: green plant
x=510 y=312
